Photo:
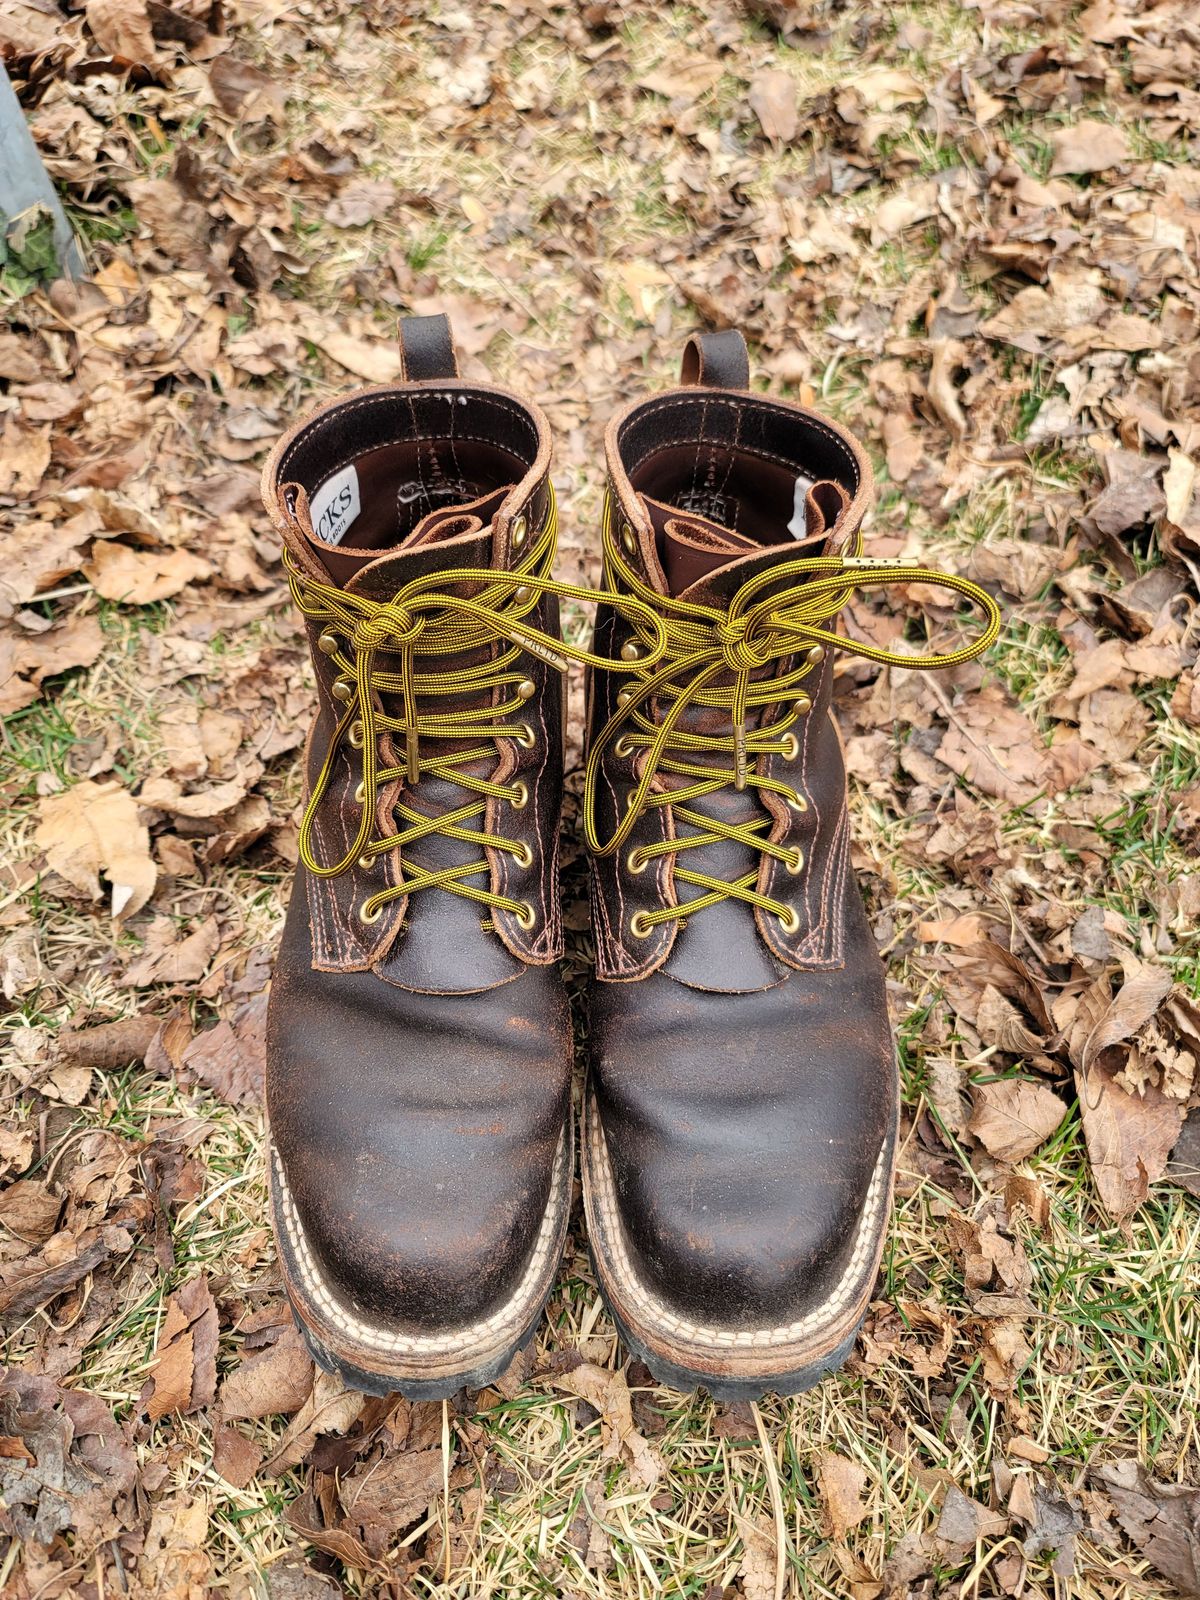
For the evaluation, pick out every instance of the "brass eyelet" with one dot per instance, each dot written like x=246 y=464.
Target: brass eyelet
x=360 y=794
x=802 y=704
x=639 y=925
x=795 y=863
x=622 y=747
x=365 y=913
x=791 y=747
x=526 y=916
x=523 y=856
x=328 y=643
x=525 y=737
x=816 y=653
x=628 y=538
x=526 y=689
x=633 y=864
x=366 y=862
x=630 y=650
x=789 y=922
x=356 y=734
x=797 y=802
x=522 y=593
x=519 y=529
x=625 y=696
x=342 y=691
x=520 y=799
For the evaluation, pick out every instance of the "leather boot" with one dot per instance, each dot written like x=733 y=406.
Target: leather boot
x=739 y=1126
x=419 y=1041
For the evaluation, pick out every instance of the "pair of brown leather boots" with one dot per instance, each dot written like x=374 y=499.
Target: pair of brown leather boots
x=739 y=1118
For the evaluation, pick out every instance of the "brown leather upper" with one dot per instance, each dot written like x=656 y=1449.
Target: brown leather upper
x=419 y=1064
x=744 y=1072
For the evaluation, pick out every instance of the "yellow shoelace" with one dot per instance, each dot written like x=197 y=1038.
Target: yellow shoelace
x=425 y=621
x=706 y=644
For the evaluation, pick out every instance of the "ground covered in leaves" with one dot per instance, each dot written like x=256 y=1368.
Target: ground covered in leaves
x=969 y=232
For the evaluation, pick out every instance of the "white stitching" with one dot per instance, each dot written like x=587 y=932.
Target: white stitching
x=601 y=1194
x=372 y=1335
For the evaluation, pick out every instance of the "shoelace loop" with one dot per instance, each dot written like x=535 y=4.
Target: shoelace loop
x=710 y=661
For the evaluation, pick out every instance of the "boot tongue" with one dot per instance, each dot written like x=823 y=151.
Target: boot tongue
x=703 y=560
x=367 y=568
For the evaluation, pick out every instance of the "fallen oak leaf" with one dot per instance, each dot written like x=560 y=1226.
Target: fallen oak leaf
x=93 y=828
x=140 y=577
x=1162 y=1520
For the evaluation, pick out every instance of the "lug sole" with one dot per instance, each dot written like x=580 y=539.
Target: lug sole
x=731 y=1362
x=380 y=1359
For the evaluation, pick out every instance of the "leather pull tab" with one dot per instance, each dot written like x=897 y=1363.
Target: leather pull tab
x=427 y=349
x=716 y=361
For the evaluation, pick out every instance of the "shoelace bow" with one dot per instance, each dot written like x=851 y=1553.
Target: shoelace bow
x=710 y=660
x=425 y=621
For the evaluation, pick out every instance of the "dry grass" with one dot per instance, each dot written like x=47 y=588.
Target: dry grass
x=1114 y=1331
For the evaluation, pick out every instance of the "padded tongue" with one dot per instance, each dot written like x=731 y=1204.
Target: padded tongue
x=344 y=535
x=691 y=548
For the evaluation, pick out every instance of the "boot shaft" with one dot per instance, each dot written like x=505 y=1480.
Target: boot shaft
x=409 y=514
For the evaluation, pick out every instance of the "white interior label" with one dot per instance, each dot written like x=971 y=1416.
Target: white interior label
x=335 y=506
x=798 y=526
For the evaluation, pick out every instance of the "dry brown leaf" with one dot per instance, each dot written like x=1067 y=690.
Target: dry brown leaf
x=1013 y=1117
x=774 y=99
x=122 y=29
x=139 y=577
x=330 y=1408
x=841 y=1482
x=28 y=659
x=94 y=828
x=608 y=1393
x=184 y=1372
x=757 y=1568
x=272 y=1382
x=369 y=359
x=1129 y=1137
x=1088 y=146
